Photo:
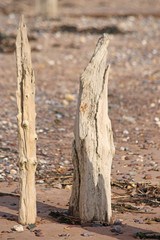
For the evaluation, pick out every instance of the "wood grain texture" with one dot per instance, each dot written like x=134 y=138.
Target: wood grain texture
x=26 y=127
x=93 y=147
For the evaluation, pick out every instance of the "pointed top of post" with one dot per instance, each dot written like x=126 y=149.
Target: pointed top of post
x=101 y=46
x=21 y=22
x=22 y=30
x=22 y=45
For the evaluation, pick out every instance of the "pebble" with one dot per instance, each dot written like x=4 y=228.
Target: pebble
x=42 y=161
x=68 y=187
x=38 y=233
x=129 y=119
x=64 y=235
x=117 y=222
x=140 y=221
x=148 y=176
x=87 y=234
x=117 y=229
x=59 y=116
x=132 y=173
x=70 y=97
x=156 y=119
x=65 y=102
x=125 y=132
x=40 y=182
x=97 y=224
x=124 y=148
x=12 y=171
x=66 y=162
x=58 y=186
x=61 y=129
x=31 y=226
x=10 y=177
x=124 y=158
x=152 y=105
x=152 y=164
x=18 y=228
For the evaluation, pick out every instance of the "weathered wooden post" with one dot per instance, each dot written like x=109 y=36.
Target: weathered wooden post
x=48 y=8
x=93 y=147
x=26 y=127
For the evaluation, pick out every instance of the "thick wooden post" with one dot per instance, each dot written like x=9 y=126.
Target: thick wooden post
x=93 y=147
x=26 y=127
x=48 y=8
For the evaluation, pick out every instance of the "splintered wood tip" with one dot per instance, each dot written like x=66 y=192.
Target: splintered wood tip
x=21 y=22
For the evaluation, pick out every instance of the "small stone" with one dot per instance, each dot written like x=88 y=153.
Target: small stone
x=65 y=102
x=38 y=233
x=117 y=222
x=68 y=187
x=51 y=62
x=64 y=235
x=13 y=171
x=1 y=176
x=61 y=129
x=125 y=132
x=10 y=177
x=152 y=164
x=40 y=182
x=40 y=131
x=66 y=162
x=158 y=177
x=31 y=226
x=42 y=161
x=140 y=221
x=132 y=173
x=146 y=209
x=156 y=119
x=124 y=148
x=59 y=116
x=97 y=224
x=152 y=105
x=18 y=228
x=87 y=234
x=59 y=186
x=70 y=97
x=117 y=229
x=129 y=119
x=124 y=158
x=148 y=176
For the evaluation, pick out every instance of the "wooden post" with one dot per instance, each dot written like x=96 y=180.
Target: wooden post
x=93 y=147
x=26 y=127
x=48 y=8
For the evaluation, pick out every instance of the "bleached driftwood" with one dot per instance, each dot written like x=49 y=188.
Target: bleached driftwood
x=26 y=127
x=93 y=147
x=48 y=8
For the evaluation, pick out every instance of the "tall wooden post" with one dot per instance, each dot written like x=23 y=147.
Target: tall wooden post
x=93 y=147
x=26 y=127
x=48 y=8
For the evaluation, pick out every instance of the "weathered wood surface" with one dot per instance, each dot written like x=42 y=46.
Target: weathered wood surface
x=93 y=147
x=26 y=127
x=48 y=8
